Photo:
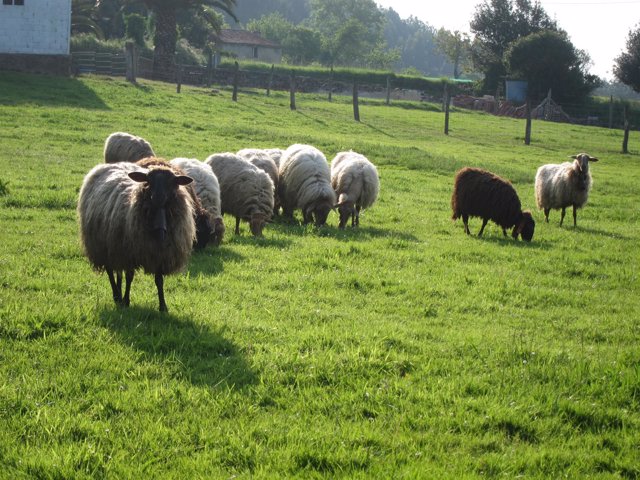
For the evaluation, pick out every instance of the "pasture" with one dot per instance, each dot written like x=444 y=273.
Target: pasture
x=402 y=349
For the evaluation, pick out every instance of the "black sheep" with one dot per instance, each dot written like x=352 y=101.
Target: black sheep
x=479 y=193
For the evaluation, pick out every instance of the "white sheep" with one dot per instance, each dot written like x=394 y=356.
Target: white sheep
x=208 y=190
x=246 y=192
x=264 y=161
x=133 y=218
x=124 y=147
x=356 y=183
x=305 y=183
x=565 y=184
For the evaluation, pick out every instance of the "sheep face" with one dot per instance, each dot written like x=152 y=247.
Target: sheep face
x=257 y=223
x=204 y=231
x=321 y=212
x=524 y=227
x=346 y=209
x=161 y=187
x=218 y=231
x=581 y=170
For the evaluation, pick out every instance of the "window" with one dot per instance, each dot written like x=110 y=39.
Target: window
x=13 y=2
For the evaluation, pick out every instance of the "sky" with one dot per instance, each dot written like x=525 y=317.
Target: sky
x=599 y=27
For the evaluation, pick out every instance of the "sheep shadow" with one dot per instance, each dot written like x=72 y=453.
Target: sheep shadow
x=211 y=260
x=194 y=352
x=534 y=244
x=599 y=232
x=260 y=242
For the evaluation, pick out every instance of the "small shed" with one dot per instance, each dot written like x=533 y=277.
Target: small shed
x=243 y=44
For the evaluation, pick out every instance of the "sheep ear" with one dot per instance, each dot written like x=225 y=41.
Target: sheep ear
x=138 y=176
x=593 y=159
x=183 y=180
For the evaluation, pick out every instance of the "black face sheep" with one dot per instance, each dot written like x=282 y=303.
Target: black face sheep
x=479 y=193
x=246 y=192
x=565 y=184
x=124 y=147
x=208 y=190
x=134 y=218
x=204 y=225
x=355 y=181
x=305 y=183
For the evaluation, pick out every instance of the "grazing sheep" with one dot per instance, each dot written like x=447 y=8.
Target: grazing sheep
x=246 y=191
x=208 y=190
x=204 y=228
x=355 y=181
x=134 y=218
x=305 y=183
x=124 y=147
x=479 y=193
x=264 y=161
x=564 y=184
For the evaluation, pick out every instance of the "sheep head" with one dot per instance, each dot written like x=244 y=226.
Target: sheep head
x=218 y=231
x=204 y=230
x=161 y=186
x=581 y=169
x=257 y=223
x=525 y=227
x=346 y=209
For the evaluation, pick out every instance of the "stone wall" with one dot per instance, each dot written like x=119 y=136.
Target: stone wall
x=49 y=64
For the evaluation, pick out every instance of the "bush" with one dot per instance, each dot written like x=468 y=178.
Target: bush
x=135 y=28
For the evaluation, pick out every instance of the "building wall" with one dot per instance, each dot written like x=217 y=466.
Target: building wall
x=38 y=27
x=265 y=54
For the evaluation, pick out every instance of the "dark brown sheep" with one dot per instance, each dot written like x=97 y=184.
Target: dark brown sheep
x=479 y=193
x=204 y=229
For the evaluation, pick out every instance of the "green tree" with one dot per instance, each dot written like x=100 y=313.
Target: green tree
x=165 y=22
x=272 y=26
x=83 y=18
x=135 y=28
x=626 y=66
x=548 y=60
x=456 y=46
x=498 y=23
x=302 y=46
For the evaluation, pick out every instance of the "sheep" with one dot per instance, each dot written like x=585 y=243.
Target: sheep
x=246 y=191
x=264 y=161
x=479 y=193
x=204 y=228
x=134 y=218
x=208 y=190
x=564 y=184
x=356 y=183
x=124 y=147
x=305 y=183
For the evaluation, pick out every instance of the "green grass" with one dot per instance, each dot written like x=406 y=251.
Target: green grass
x=404 y=349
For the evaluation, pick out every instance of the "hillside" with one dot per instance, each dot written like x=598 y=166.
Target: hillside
x=404 y=348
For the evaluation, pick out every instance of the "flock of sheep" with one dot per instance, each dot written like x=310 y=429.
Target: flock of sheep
x=140 y=211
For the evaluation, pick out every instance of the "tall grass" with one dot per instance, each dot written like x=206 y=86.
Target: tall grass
x=402 y=349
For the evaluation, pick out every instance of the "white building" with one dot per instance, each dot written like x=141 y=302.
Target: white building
x=243 y=44
x=34 y=34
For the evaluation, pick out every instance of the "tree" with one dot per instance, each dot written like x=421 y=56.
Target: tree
x=456 y=46
x=626 y=66
x=548 y=60
x=166 y=32
x=83 y=15
x=498 y=23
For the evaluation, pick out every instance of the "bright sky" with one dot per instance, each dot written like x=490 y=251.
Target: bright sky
x=600 y=27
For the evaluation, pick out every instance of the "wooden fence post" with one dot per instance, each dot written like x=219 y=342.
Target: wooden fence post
x=388 y=90
x=625 y=140
x=236 y=79
x=611 y=111
x=292 y=90
x=179 y=79
x=209 y=70
x=446 y=108
x=131 y=61
x=356 y=105
x=527 y=128
x=331 y=84
x=270 y=80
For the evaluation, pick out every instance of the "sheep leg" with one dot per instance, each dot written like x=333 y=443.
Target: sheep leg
x=237 y=225
x=504 y=232
x=127 y=287
x=546 y=214
x=562 y=216
x=116 y=286
x=357 y=216
x=465 y=220
x=484 y=224
x=160 y=287
x=575 y=214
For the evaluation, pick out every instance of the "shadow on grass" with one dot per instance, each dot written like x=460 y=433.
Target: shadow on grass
x=211 y=260
x=534 y=244
x=194 y=352
x=47 y=90
x=599 y=232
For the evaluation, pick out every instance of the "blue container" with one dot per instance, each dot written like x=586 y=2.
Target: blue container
x=516 y=91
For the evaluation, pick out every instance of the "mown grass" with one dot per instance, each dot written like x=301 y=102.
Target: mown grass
x=403 y=349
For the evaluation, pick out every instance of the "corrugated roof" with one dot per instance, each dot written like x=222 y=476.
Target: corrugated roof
x=244 y=37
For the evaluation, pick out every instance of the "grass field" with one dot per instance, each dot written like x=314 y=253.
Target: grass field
x=402 y=349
